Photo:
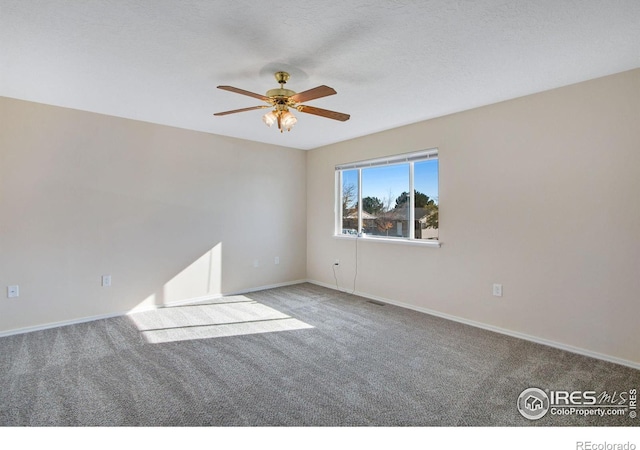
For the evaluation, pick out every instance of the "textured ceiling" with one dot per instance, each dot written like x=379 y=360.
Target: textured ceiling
x=391 y=62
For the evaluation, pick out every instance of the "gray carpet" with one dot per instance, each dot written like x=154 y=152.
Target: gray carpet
x=301 y=355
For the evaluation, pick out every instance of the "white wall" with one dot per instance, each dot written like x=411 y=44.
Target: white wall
x=538 y=193
x=170 y=214
x=526 y=189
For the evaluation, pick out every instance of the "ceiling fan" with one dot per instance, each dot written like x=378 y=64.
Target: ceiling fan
x=281 y=100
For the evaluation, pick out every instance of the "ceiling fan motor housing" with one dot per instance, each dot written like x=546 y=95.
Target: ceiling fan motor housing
x=280 y=92
x=280 y=95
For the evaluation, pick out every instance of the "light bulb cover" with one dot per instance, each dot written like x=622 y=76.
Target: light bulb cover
x=269 y=118
x=288 y=120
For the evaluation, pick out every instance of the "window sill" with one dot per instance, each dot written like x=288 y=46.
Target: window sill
x=382 y=240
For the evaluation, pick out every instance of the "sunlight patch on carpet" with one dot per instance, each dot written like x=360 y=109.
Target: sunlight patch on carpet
x=229 y=316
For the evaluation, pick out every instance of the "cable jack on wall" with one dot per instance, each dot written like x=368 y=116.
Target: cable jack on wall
x=336 y=263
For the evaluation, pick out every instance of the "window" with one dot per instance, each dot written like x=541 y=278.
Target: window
x=394 y=197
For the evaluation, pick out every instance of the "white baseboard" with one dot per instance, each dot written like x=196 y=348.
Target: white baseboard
x=63 y=323
x=264 y=288
x=143 y=308
x=516 y=334
x=484 y=326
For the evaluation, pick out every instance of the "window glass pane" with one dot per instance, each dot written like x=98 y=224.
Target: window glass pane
x=425 y=183
x=349 y=202
x=384 y=211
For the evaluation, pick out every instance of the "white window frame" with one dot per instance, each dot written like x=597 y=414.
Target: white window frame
x=404 y=158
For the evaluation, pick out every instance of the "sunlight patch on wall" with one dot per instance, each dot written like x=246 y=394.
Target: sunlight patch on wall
x=201 y=278
x=227 y=316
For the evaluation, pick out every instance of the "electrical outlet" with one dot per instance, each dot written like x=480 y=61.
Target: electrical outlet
x=13 y=291
x=497 y=290
x=106 y=280
x=256 y=263
x=276 y=260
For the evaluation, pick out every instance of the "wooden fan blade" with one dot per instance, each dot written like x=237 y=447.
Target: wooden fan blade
x=224 y=113
x=323 y=113
x=243 y=92
x=312 y=94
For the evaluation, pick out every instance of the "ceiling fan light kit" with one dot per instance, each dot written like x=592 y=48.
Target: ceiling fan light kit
x=281 y=99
